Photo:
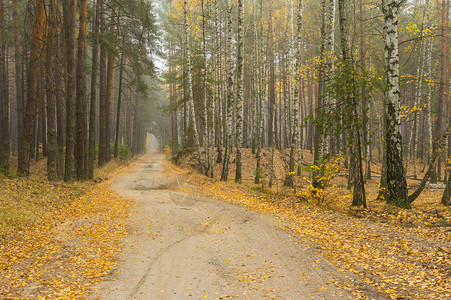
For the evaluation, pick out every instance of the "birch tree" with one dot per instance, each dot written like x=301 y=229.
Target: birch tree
x=239 y=94
x=396 y=181
x=289 y=181
x=229 y=94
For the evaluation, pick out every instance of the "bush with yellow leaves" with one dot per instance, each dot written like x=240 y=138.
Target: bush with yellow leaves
x=325 y=171
x=168 y=151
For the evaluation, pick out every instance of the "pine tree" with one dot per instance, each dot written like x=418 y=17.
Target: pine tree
x=81 y=145
x=5 y=147
x=26 y=140
x=93 y=107
x=52 y=146
x=70 y=17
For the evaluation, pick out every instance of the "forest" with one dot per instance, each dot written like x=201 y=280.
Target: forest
x=327 y=85
x=322 y=85
x=247 y=149
x=78 y=83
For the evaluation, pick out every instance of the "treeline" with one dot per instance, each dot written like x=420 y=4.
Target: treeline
x=75 y=78
x=367 y=80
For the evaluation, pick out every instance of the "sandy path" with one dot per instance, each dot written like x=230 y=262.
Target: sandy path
x=199 y=248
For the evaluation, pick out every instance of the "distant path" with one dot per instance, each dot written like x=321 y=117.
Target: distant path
x=198 y=248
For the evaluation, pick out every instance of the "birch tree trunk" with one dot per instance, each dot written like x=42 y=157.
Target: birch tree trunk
x=396 y=181
x=239 y=93
x=289 y=180
x=229 y=97
x=204 y=95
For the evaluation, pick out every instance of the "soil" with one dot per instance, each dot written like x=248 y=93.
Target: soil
x=183 y=247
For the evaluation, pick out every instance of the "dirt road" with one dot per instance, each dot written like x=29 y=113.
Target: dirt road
x=197 y=248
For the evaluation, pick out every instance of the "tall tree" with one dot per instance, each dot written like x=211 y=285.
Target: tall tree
x=5 y=139
x=396 y=181
x=295 y=113
x=190 y=86
x=103 y=146
x=239 y=93
x=26 y=140
x=52 y=146
x=229 y=94
x=349 y=97
x=17 y=69
x=81 y=145
x=119 y=100
x=70 y=17
x=93 y=107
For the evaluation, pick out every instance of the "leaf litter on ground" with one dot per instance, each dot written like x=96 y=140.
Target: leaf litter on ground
x=57 y=240
x=394 y=250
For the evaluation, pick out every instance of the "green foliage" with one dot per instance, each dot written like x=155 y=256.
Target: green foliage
x=123 y=152
x=260 y=175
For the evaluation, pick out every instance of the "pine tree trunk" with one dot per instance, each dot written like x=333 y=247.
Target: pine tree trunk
x=119 y=100
x=52 y=147
x=81 y=145
x=26 y=141
x=18 y=70
x=109 y=104
x=350 y=93
x=59 y=98
x=93 y=108
x=190 y=88
x=396 y=181
x=103 y=93
x=5 y=148
x=70 y=17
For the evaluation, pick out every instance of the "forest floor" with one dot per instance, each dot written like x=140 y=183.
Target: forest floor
x=185 y=243
x=404 y=253
x=57 y=239
x=154 y=230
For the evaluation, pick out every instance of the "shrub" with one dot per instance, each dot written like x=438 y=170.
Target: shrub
x=325 y=172
x=124 y=152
